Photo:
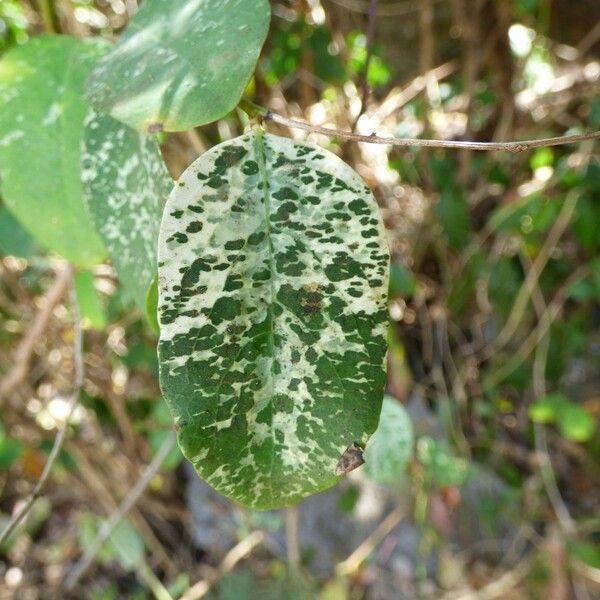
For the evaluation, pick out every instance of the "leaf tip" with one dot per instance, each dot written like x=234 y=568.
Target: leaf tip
x=351 y=459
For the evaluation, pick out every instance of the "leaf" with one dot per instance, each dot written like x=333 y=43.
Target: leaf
x=273 y=275
x=390 y=447
x=126 y=184
x=152 y=305
x=575 y=423
x=41 y=124
x=546 y=408
x=90 y=303
x=181 y=63
x=441 y=467
x=124 y=545
x=14 y=240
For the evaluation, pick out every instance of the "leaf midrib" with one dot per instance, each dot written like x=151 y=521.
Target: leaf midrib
x=262 y=167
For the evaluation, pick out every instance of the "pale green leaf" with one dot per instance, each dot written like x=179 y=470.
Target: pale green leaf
x=391 y=446
x=90 y=303
x=152 y=305
x=126 y=184
x=273 y=275
x=41 y=125
x=575 y=423
x=181 y=63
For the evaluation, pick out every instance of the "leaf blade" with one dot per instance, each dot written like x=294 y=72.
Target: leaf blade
x=125 y=185
x=273 y=327
x=41 y=89
x=181 y=63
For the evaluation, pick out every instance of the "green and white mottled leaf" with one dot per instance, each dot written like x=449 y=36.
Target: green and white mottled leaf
x=41 y=125
x=126 y=184
x=273 y=277
x=181 y=63
x=391 y=446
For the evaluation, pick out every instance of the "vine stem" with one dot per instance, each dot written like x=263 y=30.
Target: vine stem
x=131 y=498
x=60 y=437
x=515 y=147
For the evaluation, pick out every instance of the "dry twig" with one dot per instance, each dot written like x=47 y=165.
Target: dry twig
x=24 y=352
x=515 y=147
x=126 y=505
x=239 y=551
x=60 y=437
x=353 y=562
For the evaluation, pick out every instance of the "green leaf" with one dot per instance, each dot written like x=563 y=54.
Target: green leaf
x=126 y=184
x=390 y=447
x=546 y=408
x=440 y=466
x=124 y=545
x=14 y=240
x=152 y=305
x=90 y=303
x=10 y=450
x=181 y=63
x=273 y=277
x=41 y=125
x=575 y=423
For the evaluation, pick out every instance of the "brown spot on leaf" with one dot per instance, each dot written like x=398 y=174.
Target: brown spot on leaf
x=155 y=127
x=351 y=459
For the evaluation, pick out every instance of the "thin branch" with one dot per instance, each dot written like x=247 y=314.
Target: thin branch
x=126 y=505
x=514 y=147
x=353 y=562
x=239 y=551
x=24 y=352
x=534 y=338
x=501 y=587
x=291 y=536
x=533 y=274
x=60 y=437
x=364 y=77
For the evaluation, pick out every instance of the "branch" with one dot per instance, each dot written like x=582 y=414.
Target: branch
x=60 y=438
x=351 y=564
x=24 y=351
x=239 y=551
x=131 y=498
x=515 y=147
x=364 y=77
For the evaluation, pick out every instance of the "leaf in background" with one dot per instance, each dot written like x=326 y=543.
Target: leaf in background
x=181 y=63
x=441 y=467
x=10 y=450
x=125 y=184
x=90 y=303
x=390 y=447
x=273 y=278
x=575 y=423
x=124 y=545
x=14 y=240
x=546 y=408
x=41 y=125
x=151 y=307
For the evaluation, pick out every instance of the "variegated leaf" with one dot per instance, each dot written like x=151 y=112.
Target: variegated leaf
x=273 y=278
x=126 y=184
x=181 y=63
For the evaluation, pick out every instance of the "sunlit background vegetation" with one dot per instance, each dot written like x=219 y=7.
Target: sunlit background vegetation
x=494 y=330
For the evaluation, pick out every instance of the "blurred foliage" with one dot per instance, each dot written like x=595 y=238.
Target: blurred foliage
x=465 y=229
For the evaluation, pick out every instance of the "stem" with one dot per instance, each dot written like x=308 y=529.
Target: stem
x=515 y=147
x=48 y=18
x=60 y=437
